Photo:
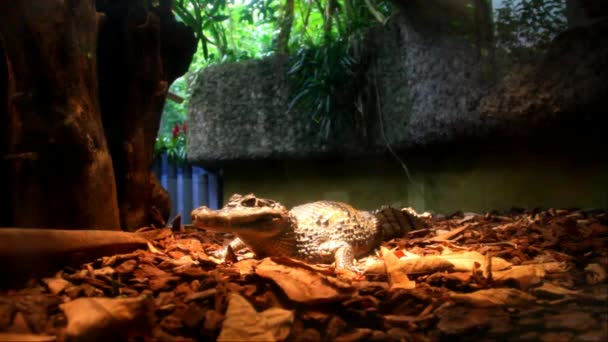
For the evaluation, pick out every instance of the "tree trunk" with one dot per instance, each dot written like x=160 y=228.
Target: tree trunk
x=282 y=45
x=141 y=51
x=484 y=31
x=575 y=13
x=5 y=200
x=56 y=166
x=60 y=169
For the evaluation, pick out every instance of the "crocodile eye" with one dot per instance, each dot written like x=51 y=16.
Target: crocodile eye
x=249 y=202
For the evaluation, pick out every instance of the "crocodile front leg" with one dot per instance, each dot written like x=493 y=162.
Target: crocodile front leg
x=344 y=257
x=236 y=245
x=341 y=251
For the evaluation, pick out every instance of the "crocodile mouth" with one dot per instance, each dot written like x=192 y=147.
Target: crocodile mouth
x=240 y=220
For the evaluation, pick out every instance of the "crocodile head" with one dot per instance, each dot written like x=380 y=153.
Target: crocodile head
x=243 y=215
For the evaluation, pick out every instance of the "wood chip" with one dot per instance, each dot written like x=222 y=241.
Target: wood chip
x=528 y=275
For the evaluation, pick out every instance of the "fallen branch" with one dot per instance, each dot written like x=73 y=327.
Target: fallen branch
x=449 y=235
x=24 y=251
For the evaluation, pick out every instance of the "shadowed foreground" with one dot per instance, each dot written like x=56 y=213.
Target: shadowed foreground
x=520 y=276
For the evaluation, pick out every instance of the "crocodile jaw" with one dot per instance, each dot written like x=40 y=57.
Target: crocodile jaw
x=257 y=221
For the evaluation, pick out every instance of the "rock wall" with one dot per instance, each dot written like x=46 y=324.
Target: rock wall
x=427 y=80
x=563 y=94
x=239 y=111
x=429 y=85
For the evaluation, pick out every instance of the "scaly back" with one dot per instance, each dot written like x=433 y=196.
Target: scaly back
x=320 y=222
x=394 y=222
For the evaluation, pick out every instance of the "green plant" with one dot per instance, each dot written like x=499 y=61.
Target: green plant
x=228 y=30
x=523 y=28
x=320 y=76
x=173 y=144
x=325 y=69
x=322 y=36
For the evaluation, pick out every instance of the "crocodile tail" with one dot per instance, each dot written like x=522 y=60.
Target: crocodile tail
x=395 y=222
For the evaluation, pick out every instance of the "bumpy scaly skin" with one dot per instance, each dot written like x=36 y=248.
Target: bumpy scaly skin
x=318 y=232
x=325 y=228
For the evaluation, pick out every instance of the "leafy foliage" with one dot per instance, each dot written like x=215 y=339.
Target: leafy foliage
x=320 y=75
x=174 y=115
x=322 y=34
x=174 y=144
x=325 y=67
x=322 y=38
x=229 y=30
x=524 y=27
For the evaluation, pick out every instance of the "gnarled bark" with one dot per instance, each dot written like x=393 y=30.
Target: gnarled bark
x=5 y=216
x=60 y=169
x=141 y=51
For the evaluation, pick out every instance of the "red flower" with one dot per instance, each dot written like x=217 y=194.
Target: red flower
x=175 y=131
x=184 y=128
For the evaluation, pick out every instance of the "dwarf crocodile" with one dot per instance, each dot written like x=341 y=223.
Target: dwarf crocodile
x=317 y=232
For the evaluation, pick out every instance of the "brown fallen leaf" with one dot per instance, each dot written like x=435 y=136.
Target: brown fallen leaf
x=551 y=291
x=148 y=270
x=153 y=249
x=460 y=320
x=449 y=235
x=396 y=276
x=302 y=284
x=201 y=295
x=19 y=325
x=335 y=327
x=162 y=283
x=243 y=323
x=230 y=257
x=105 y=319
x=177 y=262
x=104 y=271
x=189 y=245
x=155 y=234
x=595 y=274
x=465 y=261
x=425 y=265
x=176 y=223
x=578 y=321
x=115 y=259
x=494 y=297
x=189 y=271
x=548 y=267
x=246 y=267
x=359 y=334
x=293 y=262
x=127 y=266
x=213 y=319
x=454 y=280
x=557 y=336
x=373 y=266
x=524 y=276
x=56 y=285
